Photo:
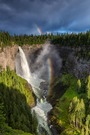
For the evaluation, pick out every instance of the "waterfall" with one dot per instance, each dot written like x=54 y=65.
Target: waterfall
x=42 y=107
x=23 y=70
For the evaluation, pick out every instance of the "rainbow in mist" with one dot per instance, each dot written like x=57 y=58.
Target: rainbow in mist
x=38 y=29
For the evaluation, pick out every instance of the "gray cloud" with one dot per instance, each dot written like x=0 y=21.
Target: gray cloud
x=20 y=16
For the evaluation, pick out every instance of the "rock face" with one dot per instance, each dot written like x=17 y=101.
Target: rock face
x=8 y=54
x=74 y=62
x=7 y=57
x=71 y=62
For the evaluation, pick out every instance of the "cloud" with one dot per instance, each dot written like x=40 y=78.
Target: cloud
x=20 y=16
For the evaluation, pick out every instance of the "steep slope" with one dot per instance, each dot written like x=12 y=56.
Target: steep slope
x=16 y=98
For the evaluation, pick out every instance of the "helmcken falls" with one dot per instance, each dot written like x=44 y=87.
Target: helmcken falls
x=40 y=81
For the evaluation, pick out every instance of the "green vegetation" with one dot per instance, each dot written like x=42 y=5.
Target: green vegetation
x=64 y=101
x=72 y=111
x=15 y=100
x=88 y=87
x=6 y=130
x=73 y=39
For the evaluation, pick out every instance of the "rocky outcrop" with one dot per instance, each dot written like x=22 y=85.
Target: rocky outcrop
x=7 y=57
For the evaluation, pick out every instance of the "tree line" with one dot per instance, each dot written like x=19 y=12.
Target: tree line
x=67 y=39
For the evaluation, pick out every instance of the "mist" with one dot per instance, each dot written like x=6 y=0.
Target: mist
x=47 y=59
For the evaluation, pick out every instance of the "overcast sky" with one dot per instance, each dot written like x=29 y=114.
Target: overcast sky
x=34 y=16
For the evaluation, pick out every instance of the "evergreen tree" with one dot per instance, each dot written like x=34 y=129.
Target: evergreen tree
x=87 y=125
x=79 y=83
x=88 y=87
x=15 y=96
x=77 y=112
x=2 y=116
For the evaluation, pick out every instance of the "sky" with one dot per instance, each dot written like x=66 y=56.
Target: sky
x=44 y=16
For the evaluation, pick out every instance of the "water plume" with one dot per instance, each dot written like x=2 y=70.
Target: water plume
x=47 y=66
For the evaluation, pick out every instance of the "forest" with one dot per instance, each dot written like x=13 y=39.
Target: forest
x=71 y=110
x=72 y=40
x=15 y=101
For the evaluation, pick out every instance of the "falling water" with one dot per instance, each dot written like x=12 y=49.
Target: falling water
x=42 y=107
x=23 y=70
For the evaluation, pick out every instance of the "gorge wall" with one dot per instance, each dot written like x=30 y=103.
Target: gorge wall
x=8 y=55
x=72 y=62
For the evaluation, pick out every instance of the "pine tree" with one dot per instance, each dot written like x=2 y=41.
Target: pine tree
x=2 y=117
x=79 y=84
x=88 y=87
x=76 y=112
x=87 y=124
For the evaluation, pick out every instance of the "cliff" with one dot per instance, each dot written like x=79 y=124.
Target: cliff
x=74 y=60
x=8 y=55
